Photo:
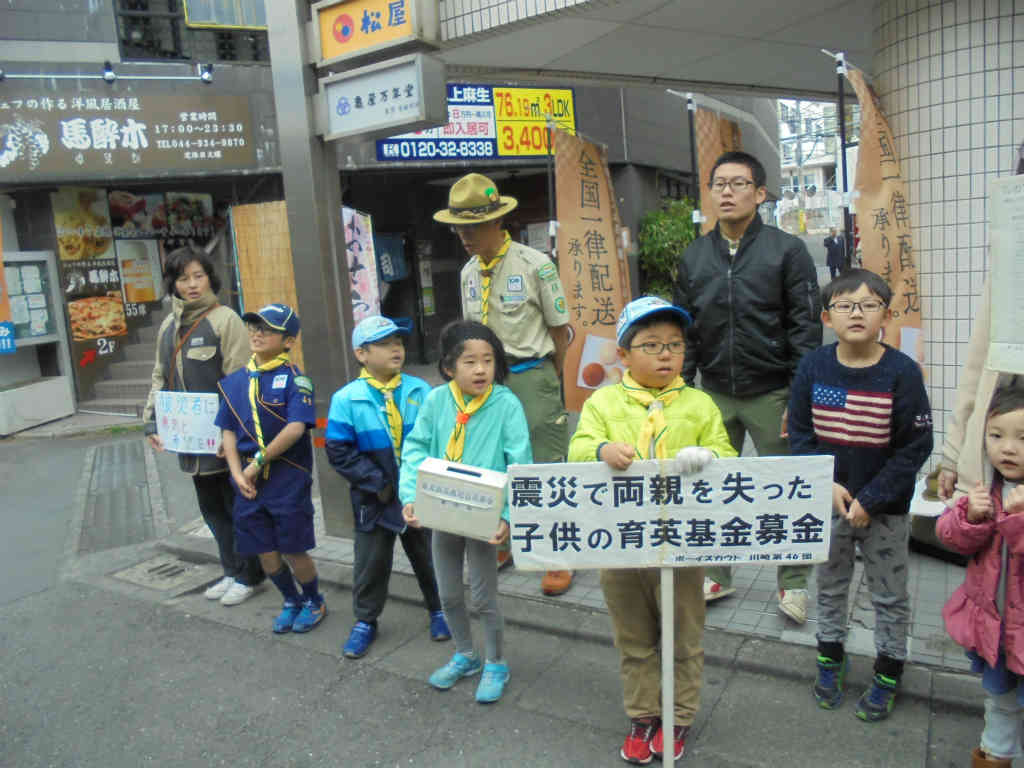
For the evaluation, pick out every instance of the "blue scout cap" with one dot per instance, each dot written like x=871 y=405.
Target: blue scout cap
x=642 y=307
x=280 y=317
x=375 y=328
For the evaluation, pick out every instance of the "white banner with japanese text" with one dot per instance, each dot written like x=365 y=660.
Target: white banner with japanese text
x=184 y=421
x=737 y=511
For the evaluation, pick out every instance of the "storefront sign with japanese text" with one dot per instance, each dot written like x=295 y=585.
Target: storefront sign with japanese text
x=883 y=213
x=591 y=264
x=6 y=326
x=487 y=122
x=355 y=27
x=1006 y=235
x=47 y=133
x=749 y=510
x=184 y=421
x=406 y=92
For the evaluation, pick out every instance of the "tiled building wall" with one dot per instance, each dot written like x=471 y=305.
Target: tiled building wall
x=950 y=76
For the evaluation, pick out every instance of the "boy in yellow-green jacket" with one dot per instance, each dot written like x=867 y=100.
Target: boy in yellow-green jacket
x=651 y=413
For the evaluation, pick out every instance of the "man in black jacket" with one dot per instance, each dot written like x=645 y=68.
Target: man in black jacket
x=753 y=293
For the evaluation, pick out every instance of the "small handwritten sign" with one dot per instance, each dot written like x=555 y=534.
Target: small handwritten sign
x=184 y=421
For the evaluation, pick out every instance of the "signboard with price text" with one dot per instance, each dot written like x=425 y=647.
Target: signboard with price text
x=487 y=122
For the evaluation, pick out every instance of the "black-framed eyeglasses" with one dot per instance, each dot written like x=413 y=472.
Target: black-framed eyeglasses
x=259 y=329
x=736 y=185
x=675 y=348
x=868 y=306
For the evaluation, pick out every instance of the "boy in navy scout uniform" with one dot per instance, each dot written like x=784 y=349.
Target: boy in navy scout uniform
x=366 y=425
x=266 y=412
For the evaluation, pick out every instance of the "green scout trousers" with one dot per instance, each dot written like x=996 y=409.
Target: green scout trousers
x=761 y=416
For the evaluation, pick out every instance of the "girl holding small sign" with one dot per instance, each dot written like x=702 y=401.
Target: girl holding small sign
x=474 y=420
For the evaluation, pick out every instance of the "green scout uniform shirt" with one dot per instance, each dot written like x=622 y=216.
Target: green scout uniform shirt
x=526 y=299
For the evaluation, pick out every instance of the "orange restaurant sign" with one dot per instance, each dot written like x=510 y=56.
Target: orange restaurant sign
x=6 y=325
x=360 y=26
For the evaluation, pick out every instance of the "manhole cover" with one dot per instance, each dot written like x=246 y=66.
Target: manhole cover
x=166 y=573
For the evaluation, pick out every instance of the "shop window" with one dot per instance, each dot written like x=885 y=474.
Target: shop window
x=158 y=30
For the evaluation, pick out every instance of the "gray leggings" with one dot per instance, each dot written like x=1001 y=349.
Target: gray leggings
x=483 y=586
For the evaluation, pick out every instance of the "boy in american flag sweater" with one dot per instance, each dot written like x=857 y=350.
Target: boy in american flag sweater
x=864 y=403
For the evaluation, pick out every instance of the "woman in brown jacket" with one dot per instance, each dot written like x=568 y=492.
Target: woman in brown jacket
x=199 y=343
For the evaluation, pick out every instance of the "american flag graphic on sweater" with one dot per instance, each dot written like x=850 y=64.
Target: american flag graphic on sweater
x=851 y=417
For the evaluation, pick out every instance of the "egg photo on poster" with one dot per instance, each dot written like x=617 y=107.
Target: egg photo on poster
x=599 y=363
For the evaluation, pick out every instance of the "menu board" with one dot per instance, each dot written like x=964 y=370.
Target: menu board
x=28 y=285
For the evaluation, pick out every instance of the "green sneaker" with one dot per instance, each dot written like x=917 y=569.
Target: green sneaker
x=877 y=701
x=828 y=688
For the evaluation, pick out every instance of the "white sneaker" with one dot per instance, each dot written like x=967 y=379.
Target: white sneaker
x=713 y=590
x=793 y=603
x=216 y=591
x=237 y=593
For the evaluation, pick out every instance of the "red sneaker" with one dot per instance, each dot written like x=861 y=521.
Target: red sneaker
x=658 y=742
x=637 y=746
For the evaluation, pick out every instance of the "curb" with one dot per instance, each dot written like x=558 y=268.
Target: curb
x=112 y=430
x=732 y=651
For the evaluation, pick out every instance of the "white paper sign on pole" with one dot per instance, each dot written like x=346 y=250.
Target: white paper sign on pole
x=184 y=421
x=774 y=510
x=1006 y=238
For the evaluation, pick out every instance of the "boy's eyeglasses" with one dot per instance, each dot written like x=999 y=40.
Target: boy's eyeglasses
x=259 y=330
x=736 y=185
x=867 y=307
x=656 y=347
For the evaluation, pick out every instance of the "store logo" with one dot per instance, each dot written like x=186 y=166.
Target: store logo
x=344 y=26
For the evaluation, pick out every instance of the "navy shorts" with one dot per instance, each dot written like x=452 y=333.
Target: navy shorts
x=275 y=523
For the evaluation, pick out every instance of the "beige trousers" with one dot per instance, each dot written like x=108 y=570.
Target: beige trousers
x=634 y=601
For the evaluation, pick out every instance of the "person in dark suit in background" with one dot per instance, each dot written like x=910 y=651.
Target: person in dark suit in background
x=836 y=258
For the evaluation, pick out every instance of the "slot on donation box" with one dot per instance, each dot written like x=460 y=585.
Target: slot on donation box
x=460 y=499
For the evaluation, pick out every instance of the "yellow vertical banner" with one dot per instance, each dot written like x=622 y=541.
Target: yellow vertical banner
x=591 y=264
x=715 y=136
x=883 y=216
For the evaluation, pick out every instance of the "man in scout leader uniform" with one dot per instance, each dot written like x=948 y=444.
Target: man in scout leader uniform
x=515 y=290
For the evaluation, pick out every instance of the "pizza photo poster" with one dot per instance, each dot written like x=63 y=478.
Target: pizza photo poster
x=90 y=279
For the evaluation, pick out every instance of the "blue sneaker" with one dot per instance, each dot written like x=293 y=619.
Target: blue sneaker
x=311 y=615
x=877 y=701
x=492 y=682
x=439 y=627
x=359 y=640
x=459 y=667
x=285 y=620
x=828 y=688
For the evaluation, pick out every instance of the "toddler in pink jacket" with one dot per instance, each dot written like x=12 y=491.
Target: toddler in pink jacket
x=985 y=614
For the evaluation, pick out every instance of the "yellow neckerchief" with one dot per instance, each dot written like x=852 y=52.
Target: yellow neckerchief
x=655 y=426
x=255 y=369
x=457 y=441
x=394 y=416
x=486 y=270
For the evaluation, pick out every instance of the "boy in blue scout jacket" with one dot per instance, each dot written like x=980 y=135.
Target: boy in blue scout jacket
x=266 y=412
x=366 y=426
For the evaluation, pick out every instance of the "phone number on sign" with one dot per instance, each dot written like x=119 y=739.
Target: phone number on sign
x=415 y=150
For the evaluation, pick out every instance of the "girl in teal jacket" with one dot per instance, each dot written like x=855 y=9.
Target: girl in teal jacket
x=473 y=419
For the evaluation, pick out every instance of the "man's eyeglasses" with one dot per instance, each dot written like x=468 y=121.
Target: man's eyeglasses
x=868 y=306
x=458 y=229
x=656 y=347
x=736 y=185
